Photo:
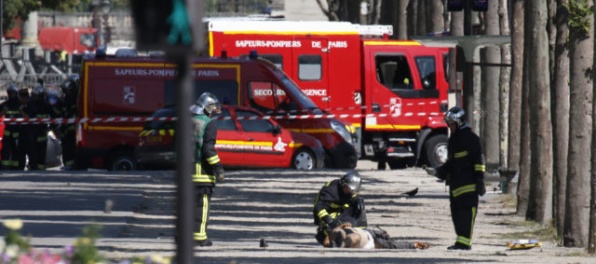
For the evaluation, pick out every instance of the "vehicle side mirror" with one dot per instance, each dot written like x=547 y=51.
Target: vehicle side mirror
x=276 y=129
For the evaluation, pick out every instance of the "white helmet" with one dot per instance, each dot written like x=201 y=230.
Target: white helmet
x=206 y=103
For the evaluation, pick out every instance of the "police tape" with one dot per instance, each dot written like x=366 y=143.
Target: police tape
x=121 y=119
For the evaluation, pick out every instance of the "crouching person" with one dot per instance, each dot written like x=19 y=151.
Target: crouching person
x=337 y=203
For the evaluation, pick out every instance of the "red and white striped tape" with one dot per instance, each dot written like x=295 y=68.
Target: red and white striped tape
x=122 y=119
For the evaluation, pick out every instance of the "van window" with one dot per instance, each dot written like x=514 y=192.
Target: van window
x=310 y=67
x=393 y=71
x=275 y=59
x=267 y=97
x=225 y=90
x=225 y=123
x=256 y=125
x=426 y=69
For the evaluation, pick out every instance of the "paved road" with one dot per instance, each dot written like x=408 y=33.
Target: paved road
x=253 y=204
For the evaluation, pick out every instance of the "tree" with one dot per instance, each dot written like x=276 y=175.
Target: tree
x=540 y=200
x=490 y=91
x=341 y=10
x=523 y=189
x=560 y=113
x=15 y=9
x=581 y=52
x=515 y=87
x=504 y=83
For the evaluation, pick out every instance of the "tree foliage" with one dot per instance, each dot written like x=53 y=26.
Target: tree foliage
x=15 y=9
x=579 y=12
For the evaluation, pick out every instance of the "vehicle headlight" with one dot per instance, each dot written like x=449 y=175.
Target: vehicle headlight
x=341 y=130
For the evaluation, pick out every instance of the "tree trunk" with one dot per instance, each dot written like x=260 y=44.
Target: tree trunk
x=401 y=22
x=457 y=23
x=490 y=92
x=421 y=22
x=412 y=18
x=561 y=113
x=540 y=200
x=523 y=190
x=515 y=92
x=577 y=204
x=504 y=84
x=435 y=18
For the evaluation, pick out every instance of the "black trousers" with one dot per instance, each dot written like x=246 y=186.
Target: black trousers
x=463 y=218
x=202 y=205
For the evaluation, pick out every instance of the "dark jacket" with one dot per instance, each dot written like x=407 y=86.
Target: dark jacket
x=464 y=168
x=207 y=163
x=331 y=201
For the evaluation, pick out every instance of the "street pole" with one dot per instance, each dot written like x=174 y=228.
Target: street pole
x=468 y=71
x=185 y=208
x=1 y=30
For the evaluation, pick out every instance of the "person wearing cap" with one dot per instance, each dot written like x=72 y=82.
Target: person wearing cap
x=207 y=169
x=338 y=202
x=464 y=173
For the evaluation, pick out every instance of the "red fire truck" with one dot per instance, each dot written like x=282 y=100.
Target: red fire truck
x=72 y=40
x=134 y=87
x=392 y=92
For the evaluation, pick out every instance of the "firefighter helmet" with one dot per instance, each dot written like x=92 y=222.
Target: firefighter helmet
x=12 y=91
x=353 y=180
x=53 y=97
x=38 y=93
x=207 y=103
x=456 y=116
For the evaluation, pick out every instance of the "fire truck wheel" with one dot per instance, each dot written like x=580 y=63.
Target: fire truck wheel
x=122 y=161
x=435 y=149
x=303 y=160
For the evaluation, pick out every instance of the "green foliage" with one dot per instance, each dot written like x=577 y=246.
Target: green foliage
x=580 y=12
x=15 y=9
x=85 y=250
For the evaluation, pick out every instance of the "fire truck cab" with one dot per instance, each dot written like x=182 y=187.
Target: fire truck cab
x=135 y=87
x=393 y=92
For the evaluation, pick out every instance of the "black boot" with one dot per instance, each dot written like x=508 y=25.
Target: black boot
x=459 y=246
x=203 y=243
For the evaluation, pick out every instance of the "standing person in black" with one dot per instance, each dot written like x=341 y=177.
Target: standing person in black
x=11 y=108
x=70 y=90
x=38 y=140
x=24 y=145
x=464 y=173
x=338 y=202
x=208 y=169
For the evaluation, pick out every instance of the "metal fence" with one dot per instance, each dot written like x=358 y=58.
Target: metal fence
x=30 y=81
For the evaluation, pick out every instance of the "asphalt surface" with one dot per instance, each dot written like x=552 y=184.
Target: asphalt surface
x=137 y=214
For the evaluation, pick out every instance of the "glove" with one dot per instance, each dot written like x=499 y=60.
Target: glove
x=358 y=205
x=331 y=222
x=480 y=188
x=219 y=174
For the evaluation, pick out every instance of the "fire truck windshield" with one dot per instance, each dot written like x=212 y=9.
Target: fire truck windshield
x=299 y=95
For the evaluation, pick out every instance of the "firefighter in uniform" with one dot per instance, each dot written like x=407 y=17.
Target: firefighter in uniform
x=38 y=139
x=25 y=130
x=69 y=110
x=207 y=169
x=338 y=203
x=11 y=109
x=464 y=173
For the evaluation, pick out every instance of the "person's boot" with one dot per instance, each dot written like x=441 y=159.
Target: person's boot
x=203 y=243
x=459 y=246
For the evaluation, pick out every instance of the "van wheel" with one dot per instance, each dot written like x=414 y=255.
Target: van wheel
x=435 y=149
x=303 y=160
x=122 y=161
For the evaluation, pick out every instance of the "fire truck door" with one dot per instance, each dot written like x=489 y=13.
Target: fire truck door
x=262 y=145
x=310 y=69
